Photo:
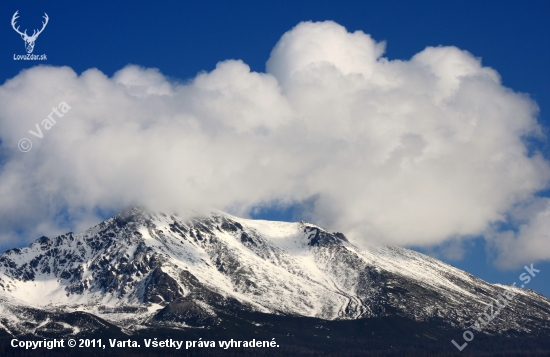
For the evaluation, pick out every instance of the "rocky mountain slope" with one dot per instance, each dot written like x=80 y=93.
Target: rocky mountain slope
x=142 y=269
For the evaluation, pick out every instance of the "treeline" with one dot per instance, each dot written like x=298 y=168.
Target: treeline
x=308 y=337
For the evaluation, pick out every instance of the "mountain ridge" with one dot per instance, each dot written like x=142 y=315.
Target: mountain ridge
x=143 y=269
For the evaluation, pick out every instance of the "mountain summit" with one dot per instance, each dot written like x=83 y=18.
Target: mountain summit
x=142 y=269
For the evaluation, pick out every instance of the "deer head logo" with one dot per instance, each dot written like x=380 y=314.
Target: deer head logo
x=29 y=40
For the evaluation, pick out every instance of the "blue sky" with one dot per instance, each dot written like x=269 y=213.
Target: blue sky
x=182 y=39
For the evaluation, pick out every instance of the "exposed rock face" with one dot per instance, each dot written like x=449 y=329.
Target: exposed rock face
x=141 y=269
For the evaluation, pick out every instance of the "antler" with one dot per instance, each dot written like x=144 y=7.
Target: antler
x=43 y=26
x=15 y=17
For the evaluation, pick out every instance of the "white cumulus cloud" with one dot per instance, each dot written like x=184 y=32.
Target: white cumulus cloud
x=415 y=152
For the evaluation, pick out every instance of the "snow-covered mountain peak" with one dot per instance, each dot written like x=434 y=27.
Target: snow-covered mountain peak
x=142 y=267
